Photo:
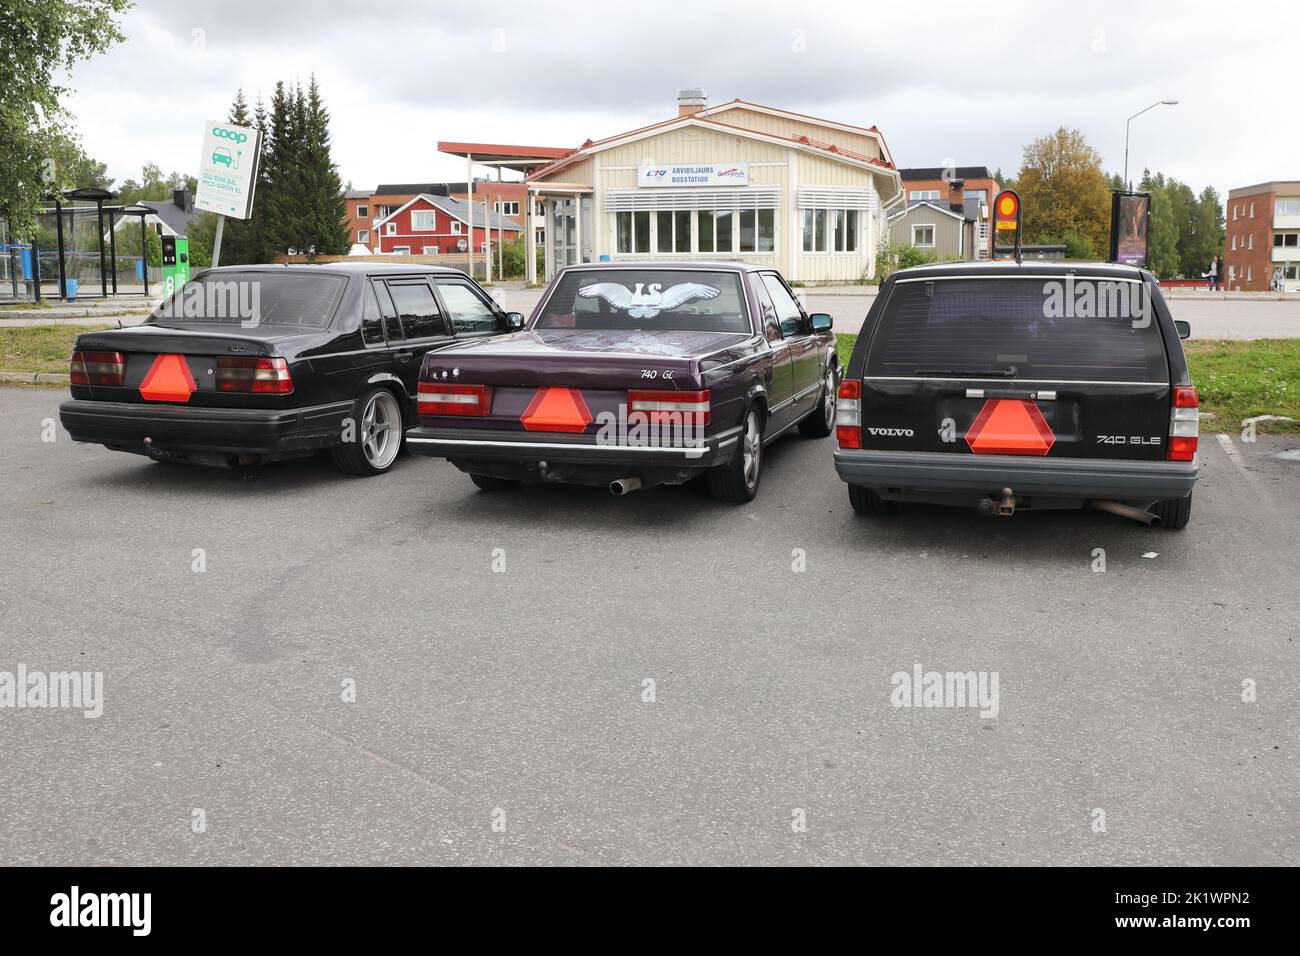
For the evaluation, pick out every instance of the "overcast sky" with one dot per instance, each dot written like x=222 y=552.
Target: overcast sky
x=970 y=83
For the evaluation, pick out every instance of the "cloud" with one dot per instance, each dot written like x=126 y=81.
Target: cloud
x=940 y=80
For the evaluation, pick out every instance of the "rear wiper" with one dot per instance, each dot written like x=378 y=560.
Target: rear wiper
x=1009 y=372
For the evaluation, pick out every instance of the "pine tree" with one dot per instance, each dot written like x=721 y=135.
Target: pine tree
x=324 y=189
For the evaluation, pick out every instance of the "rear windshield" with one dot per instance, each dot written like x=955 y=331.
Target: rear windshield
x=1040 y=328
x=252 y=298
x=645 y=300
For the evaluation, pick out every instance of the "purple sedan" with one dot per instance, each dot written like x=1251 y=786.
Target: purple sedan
x=630 y=375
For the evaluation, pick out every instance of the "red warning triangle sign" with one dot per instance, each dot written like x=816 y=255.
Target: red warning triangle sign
x=1010 y=426
x=556 y=410
x=168 y=380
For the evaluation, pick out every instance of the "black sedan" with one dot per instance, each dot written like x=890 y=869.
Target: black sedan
x=631 y=375
x=248 y=364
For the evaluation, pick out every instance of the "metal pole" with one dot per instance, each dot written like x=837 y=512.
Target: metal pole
x=487 y=233
x=1127 y=126
x=144 y=253
x=216 y=241
x=63 y=272
x=469 y=189
x=112 y=248
x=103 y=275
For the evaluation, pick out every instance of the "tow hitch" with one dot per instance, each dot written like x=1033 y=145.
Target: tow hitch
x=1003 y=507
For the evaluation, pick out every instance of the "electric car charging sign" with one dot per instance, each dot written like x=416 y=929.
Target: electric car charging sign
x=228 y=169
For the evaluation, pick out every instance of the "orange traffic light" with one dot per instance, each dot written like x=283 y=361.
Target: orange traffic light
x=1006 y=224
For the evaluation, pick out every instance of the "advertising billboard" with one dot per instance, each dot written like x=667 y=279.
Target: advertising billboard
x=228 y=169
x=1130 y=215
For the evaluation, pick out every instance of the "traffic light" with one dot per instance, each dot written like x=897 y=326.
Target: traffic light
x=1006 y=225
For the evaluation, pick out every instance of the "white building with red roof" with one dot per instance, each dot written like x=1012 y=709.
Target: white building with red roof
x=739 y=181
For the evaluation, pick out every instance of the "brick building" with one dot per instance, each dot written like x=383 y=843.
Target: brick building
x=965 y=190
x=1261 y=246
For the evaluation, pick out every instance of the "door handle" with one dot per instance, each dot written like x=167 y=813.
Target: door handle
x=404 y=356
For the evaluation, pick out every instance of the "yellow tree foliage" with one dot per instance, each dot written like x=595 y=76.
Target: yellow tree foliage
x=1063 y=191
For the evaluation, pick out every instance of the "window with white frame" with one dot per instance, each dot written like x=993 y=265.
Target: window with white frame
x=923 y=195
x=539 y=209
x=1287 y=207
x=390 y=229
x=423 y=220
x=632 y=231
x=831 y=230
x=455 y=227
x=402 y=250
x=685 y=231
x=1252 y=210
x=923 y=236
x=363 y=212
x=1284 y=239
x=715 y=230
x=1250 y=241
x=508 y=208
x=539 y=236
x=363 y=235
x=430 y=250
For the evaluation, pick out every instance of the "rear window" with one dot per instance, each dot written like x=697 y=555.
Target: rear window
x=647 y=299
x=251 y=299
x=1029 y=328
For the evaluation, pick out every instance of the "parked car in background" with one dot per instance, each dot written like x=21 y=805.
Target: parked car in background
x=633 y=375
x=249 y=364
x=1006 y=387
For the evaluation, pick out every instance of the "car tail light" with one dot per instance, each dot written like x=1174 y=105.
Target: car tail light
x=250 y=374
x=1184 y=424
x=97 y=368
x=693 y=407
x=848 y=414
x=442 y=398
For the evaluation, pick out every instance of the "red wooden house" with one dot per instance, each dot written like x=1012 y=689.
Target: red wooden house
x=437 y=225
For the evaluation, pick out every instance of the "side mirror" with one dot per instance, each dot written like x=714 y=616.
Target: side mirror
x=820 y=322
x=1184 y=328
x=515 y=320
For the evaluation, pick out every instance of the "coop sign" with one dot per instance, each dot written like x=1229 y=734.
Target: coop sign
x=228 y=169
x=694 y=174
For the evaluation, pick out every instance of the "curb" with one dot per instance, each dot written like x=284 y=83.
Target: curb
x=35 y=378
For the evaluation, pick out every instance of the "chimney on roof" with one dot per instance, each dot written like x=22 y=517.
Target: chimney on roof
x=691 y=101
x=183 y=200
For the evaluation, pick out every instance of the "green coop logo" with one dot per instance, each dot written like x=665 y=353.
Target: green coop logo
x=222 y=133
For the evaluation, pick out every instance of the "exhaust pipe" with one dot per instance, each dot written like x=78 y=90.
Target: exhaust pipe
x=1125 y=511
x=623 y=486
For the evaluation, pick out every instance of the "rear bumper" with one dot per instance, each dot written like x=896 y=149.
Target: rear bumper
x=486 y=445
x=949 y=473
x=182 y=428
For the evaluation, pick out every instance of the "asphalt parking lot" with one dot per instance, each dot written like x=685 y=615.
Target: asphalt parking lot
x=500 y=713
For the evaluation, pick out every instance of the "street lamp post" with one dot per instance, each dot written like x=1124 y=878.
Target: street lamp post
x=1128 y=125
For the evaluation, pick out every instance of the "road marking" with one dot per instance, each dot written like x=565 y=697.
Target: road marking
x=1235 y=456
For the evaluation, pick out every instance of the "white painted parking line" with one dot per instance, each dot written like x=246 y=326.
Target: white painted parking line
x=1235 y=457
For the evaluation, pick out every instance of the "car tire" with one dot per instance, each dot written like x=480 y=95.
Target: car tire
x=489 y=483
x=820 y=422
x=736 y=482
x=1174 y=513
x=378 y=439
x=867 y=502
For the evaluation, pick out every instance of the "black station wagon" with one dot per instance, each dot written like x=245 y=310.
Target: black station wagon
x=248 y=364
x=1003 y=387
